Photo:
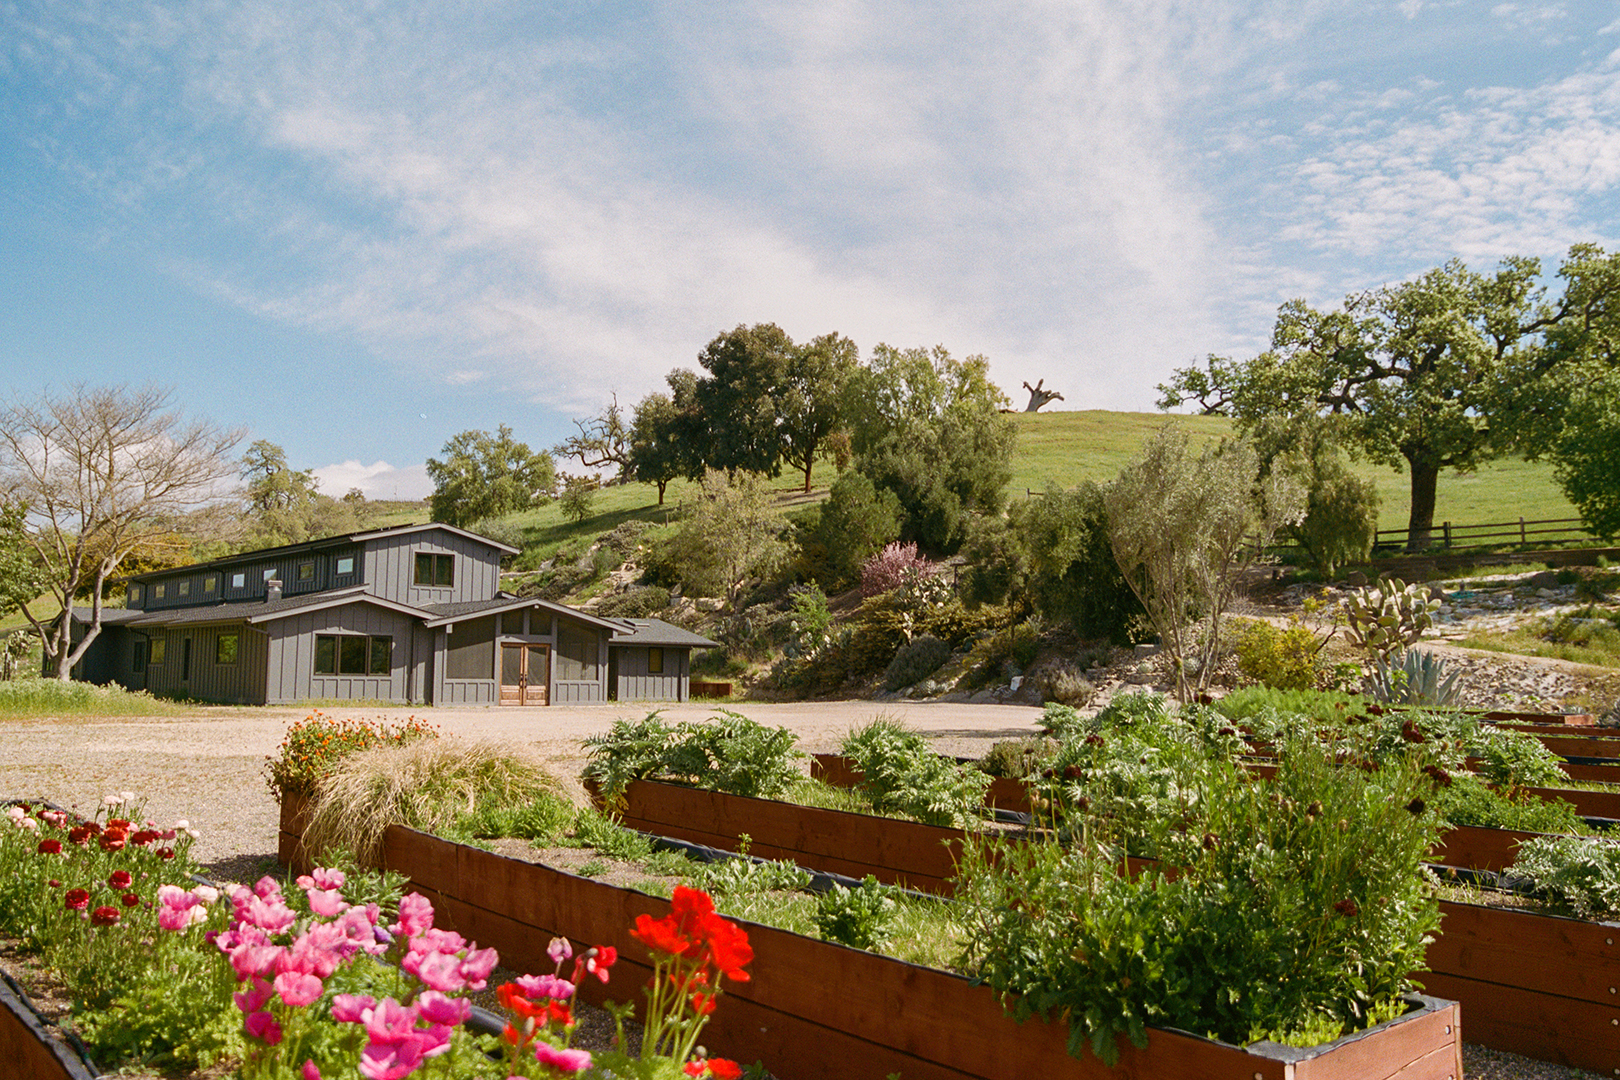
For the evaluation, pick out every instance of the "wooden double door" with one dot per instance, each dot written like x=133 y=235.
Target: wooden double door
x=525 y=673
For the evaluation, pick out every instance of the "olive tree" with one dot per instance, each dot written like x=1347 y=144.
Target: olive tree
x=730 y=533
x=1184 y=526
x=104 y=472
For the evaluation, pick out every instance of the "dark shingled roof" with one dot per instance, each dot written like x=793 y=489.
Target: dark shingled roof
x=658 y=632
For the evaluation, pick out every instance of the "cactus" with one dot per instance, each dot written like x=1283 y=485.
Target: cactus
x=1418 y=679
x=1387 y=618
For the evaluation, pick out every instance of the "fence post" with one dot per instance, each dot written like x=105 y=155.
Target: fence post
x=1522 y=541
x=1446 y=526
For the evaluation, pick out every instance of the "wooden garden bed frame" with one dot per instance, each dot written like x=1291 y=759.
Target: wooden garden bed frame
x=817 y=1010
x=30 y=1048
x=1541 y=985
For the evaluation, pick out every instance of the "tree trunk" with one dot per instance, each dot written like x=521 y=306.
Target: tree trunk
x=808 y=465
x=1420 y=526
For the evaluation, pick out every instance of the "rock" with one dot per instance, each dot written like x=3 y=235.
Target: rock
x=1436 y=593
x=1546 y=579
x=709 y=603
x=1144 y=651
x=1356 y=579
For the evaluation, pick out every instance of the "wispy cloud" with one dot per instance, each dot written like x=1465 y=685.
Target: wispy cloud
x=379 y=480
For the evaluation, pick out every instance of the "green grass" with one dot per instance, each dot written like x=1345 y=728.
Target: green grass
x=1067 y=448
x=47 y=697
x=1595 y=641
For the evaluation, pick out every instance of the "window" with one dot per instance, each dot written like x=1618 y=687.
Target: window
x=225 y=649
x=210 y=583
x=183 y=589
x=268 y=574
x=438 y=571
x=576 y=653
x=353 y=654
x=512 y=622
x=155 y=656
x=306 y=571
x=134 y=594
x=238 y=581
x=345 y=565
x=158 y=590
x=139 y=664
x=655 y=661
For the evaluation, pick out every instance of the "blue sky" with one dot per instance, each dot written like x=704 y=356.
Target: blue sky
x=358 y=229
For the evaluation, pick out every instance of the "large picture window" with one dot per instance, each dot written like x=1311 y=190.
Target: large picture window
x=353 y=654
x=472 y=650
x=225 y=648
x=438 y=571
x=158 y=648
x=576 y=653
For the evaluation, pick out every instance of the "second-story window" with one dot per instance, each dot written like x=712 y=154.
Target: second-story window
x=183 y=589
x=345 y=565
x=159 y=590
x=435 y=570
x=238 y=581
x=134 y=594
x=210 y=583
x=306 y=571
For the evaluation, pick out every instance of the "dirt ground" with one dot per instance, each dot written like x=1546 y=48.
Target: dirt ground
x=207 y=767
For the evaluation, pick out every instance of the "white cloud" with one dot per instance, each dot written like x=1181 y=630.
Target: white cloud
x=379 y=480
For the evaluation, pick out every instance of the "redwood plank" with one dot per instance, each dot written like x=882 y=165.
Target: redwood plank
x=1542 y=953
x=1586 y=803
x=1394 y=1052
x=1473 y=848
x=1543 y=1026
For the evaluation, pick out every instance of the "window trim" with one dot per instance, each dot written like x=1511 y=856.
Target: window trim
x=239 y=580
x=338 y=564
x=439 y=565
x=369 y=648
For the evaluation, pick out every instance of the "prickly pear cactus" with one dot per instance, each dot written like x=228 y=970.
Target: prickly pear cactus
x=1384 y=619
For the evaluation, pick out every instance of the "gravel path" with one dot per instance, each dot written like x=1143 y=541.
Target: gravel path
x=207 y=767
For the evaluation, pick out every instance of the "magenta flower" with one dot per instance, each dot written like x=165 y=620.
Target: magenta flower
x=309 y=1071
x=535 y=987
x=476 y=966
x=437 y=970
x=436 y=1008
x=390 y=1061
x=252 y=959
x=255 y=999
x=329 y=879
x=297 y=989
x=326 y=903
x=263 y=1026
x=559 y=950
x=565 y=1060
x=415 y=915
x=351 y=1008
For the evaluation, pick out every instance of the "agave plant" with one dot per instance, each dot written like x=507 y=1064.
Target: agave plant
x=1414 y=678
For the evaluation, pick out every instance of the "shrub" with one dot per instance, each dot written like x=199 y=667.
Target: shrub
x=917 y=659
x=1015 y=759
x=637 y=603
x=861 y=918
x=424 y=784
x=316 y=744
x=578 y=491
x=892 y=567
x=500 y=530
x=904 y=775
x=1285 y=659
x=857 y=520
x=1515 y=759
x=1578 y=874
x=1341 y=517
x=1064 y=683
x=34 y=696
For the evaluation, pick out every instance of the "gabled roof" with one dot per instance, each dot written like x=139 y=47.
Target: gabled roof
x=341 y=540
x=441 y=614
x=658 y=632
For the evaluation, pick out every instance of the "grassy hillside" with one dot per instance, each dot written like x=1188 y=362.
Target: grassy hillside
x=1069 y=447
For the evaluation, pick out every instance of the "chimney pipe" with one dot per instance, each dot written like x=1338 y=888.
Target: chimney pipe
x=272 y=590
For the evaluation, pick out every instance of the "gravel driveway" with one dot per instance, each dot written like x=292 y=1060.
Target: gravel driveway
x=207 y=766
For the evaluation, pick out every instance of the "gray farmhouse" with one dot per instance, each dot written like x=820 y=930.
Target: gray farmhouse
x=412 y=614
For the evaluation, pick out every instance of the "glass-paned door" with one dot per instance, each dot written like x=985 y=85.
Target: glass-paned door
x=523 y=674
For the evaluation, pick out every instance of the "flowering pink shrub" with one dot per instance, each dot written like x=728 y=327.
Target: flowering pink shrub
x=893 y=567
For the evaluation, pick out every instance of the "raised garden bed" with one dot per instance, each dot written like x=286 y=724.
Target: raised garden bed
x=815 y=1009
x=1530 y=978
x=32 y=1048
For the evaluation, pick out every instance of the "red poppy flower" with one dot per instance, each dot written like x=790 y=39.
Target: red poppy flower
x=120 y=879
x=729 y=948
x=104 y=916
x=76 y=899
x=49 y=847
x=80 y=834
x=113 y=840
x=724 y=1069
x=130 y=899
x=119 y=823
x=660 y=935
x=165 y=853
x=144 y=837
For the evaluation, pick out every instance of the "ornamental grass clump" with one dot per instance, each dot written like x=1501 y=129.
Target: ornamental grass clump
x=428 y=785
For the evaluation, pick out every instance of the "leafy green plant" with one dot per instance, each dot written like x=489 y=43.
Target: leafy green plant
x=728 y=753
x=861 y=917
x=1385 y=619
x=903 y=774
x=1063 y=682
x=1515 y=759
x=1578 y=874
x=744 y=876
x=1290 y=910
x=1284 y=658
x=1015 y=759
x=543 y=817
x=1313 y=705
x=1466 y=800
